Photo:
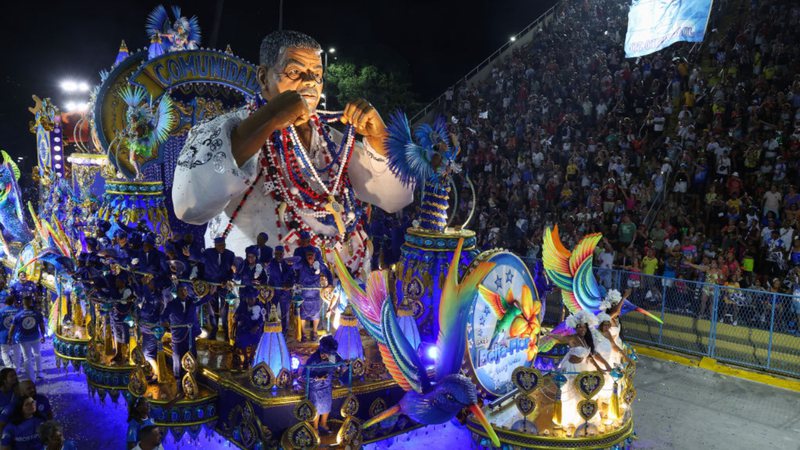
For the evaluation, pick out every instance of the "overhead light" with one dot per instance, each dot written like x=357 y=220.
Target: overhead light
x=70 y=106
x=513 y=38
x=83 y=86
x=69 y=86
x=331 y=50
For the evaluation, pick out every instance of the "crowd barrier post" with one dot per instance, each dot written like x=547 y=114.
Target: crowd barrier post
x=712 y=327
x=663 y=306
x=771 y=329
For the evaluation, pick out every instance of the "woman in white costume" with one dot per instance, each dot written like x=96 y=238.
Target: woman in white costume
x=581 y=357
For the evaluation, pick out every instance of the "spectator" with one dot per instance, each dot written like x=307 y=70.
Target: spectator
x=138 y=418
x=21 y=431
x=52 y=436
x=150 y=438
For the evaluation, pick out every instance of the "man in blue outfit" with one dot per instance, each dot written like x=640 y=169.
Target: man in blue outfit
x=248 y=326
x=181 y=315
x=24 y=287
x=218 y=267
x=10 y=352
x=152 y=296
x=309 y=273
x=252 y=272
x=304 y=244
x=150 y=259
x=280 y=275
x=262 y=251
x=121 y=299
x=27 y=329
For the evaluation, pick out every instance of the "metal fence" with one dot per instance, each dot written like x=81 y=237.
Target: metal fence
x=747 y=327
x=753 y=328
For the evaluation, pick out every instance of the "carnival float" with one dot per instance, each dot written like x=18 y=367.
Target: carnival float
x=449 y=332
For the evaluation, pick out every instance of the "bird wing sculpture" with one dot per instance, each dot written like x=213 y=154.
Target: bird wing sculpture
x=409 y=161
x=424 y=401
x=572 y=273
x=11 y=217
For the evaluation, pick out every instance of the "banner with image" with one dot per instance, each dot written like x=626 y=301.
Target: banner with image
x=657 y=24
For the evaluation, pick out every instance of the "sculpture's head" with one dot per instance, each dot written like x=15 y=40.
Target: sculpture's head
x=290 y=60
x=455 y=392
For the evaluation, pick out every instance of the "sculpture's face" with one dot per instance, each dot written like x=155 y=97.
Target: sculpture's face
x=297 y=69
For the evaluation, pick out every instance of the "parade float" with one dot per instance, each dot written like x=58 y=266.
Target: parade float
x=449 y=332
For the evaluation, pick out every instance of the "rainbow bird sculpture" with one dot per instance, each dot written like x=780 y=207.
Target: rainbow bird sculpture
x=427 y=401
x=11 y=217
x=572 y=273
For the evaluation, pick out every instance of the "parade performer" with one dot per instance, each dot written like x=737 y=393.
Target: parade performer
x=280 y=277
x=27 y=330
x=248 y=326
x=581 y=357
x=262 y=251
x=320 y=390
x=277 y=167
x=10 y=352
x=218 y=267
x=181 y=314
x=150 y=259
x=309 y=276
x=152 y=295
x=121 y=297
x=24 y=287
x=252 y=272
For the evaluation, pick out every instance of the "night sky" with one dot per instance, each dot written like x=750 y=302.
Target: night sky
x=434 y=42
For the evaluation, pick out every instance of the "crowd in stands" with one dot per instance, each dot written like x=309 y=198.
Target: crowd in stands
x=686 y=160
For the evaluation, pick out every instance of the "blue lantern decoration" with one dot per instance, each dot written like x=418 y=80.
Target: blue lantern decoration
x=408 y=324
x=347 y=336
x=272 y=348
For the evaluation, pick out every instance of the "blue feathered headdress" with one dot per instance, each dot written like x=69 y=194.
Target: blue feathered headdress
x=416 y=162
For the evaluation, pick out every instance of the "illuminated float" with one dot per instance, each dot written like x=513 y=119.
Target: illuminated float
x=448 y=332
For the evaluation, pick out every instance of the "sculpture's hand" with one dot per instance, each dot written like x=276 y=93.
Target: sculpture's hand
x=367 y=122
x=288 y=108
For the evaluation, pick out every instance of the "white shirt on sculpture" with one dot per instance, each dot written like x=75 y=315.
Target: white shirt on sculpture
x=209 y=186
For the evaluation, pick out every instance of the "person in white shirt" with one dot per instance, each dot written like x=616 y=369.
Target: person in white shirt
x=150 y=437
x=224 y=178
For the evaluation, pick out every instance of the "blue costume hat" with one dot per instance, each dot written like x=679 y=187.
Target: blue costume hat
x=103 y=225
x=251 y=251
x=248 y=292
x=219 y=240
x=279 y=248
x=169 y=247
x=136 y=239
x=119 y=234
x=305 y=235
x=263 y=235
x=150 y=239
x=91 y=241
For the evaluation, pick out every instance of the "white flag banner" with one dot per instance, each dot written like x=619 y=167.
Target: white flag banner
x=483 y=114
x=657 y=24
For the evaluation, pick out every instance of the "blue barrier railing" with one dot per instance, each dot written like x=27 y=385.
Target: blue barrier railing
x=756 y=328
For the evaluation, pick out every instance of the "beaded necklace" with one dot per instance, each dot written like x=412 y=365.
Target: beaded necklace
x=287 y=171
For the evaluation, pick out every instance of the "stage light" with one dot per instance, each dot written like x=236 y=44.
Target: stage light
x=295 y=363
x=433 y=353
x=513 y=38
x=83 y=86
x=331 y=50
x=69 y=86
x=69 y=106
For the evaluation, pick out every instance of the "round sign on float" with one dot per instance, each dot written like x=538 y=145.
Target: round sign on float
x=492 y=353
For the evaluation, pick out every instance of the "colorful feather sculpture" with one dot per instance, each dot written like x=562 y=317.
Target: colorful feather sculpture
x=11 y=216
x=146 y=125
x=426 y=401
x=572 y=273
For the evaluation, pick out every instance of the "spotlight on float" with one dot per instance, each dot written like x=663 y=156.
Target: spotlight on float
x=432 y=353
x=513 y=39
x=295 y=363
